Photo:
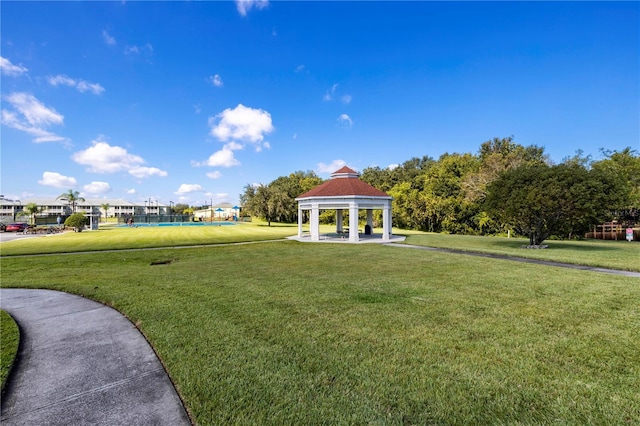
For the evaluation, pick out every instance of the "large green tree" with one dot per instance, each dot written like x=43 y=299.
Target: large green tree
x=496 y=156
x=433 y=199
x=181 y=208
x=72 y=198
x=540 y=201
x=276 y=201
x=255 y=200
x=285 y=189
x=624 y=164
x=387 y=178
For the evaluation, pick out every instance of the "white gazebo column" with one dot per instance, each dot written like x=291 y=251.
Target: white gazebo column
x=386 y=222
x=314 y=223
x=370 y=219
x=353 y=223
x=300 y=219
x=339 y=221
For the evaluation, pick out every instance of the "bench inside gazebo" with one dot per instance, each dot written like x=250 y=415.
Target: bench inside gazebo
x=345 y=191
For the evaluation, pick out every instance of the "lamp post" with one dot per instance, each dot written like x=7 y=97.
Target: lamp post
x=211 y=215
x=170 y=211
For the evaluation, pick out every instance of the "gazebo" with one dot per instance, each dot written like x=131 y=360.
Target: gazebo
x=343 y=191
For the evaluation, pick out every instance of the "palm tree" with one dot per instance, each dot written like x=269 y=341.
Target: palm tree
x=72 y=197
x=105 y=207
x=32 y=209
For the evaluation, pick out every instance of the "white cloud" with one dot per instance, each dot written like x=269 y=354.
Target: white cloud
x=187 y=188
x=241 y=124
x=104 y=158
x=81 y=85
x=130 y=191
x=61 y=79
x=218 y=197
x=10 y=119
x=33 y=110
x=216 y=80
x=214 y=175
x=345 y=120
x=237 y=127
x=138 y=50
x=108 y=39
x=331 y=167
x=300 y=68
x=57 y=180
x=222 y=158
x=244 y=6
x=94 y=88
x=330 y=93
x=97 y=188
x=145 y=172
x=393 y=166
x=31 y=116
x=10 y=69
x=233 y=146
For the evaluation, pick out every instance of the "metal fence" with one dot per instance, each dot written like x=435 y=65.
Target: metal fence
x=155 y=218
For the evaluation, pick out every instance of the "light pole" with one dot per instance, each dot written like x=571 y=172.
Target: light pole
x=170 y=211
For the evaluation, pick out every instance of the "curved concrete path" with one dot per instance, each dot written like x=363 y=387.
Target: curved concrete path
x=523 y=260
x=81 y=362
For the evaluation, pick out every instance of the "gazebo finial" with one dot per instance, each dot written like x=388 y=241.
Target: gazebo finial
x=345 y=172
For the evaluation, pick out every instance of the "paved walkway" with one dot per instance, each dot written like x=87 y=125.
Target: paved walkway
x=523 y=260
x=81 y=362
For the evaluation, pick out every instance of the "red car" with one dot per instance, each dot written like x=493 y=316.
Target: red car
x=16 y=227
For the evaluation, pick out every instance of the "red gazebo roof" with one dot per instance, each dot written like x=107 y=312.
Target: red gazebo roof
x=344 y=182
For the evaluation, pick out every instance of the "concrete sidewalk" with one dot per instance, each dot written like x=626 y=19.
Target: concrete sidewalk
x=81 y=362
x=522 y=260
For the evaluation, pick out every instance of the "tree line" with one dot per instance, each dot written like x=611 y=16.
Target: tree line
x=504 y=187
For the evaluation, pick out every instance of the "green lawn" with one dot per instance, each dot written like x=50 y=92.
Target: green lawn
x=9 y=340
x=146 y=237
x=606 y=254
x=291 y=333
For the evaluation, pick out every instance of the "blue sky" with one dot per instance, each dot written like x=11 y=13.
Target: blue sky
x=191 y=101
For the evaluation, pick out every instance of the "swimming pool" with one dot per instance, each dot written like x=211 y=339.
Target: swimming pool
x=124 y=225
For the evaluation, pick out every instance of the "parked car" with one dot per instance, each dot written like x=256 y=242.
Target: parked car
x=16 y=227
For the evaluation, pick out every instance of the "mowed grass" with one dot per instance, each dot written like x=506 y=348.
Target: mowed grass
x=9 y=342
x=623 y=255
x=145 y=237
x=291 y=333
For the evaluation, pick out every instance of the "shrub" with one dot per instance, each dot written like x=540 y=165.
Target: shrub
x=77 y=221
